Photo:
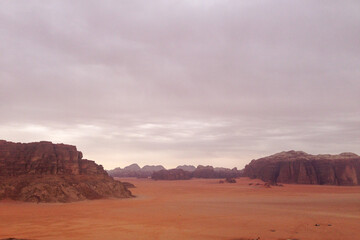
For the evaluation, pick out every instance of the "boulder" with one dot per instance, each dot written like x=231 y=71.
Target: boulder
x=230 y=180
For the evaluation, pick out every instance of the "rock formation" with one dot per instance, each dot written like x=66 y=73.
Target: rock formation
x=204 y=172
x=230 y=180
x=189 y=168
x=199 y=172
x=211 y=172
x=47 y=172
x=172 y=174
x=135 y=171
x=302 y=168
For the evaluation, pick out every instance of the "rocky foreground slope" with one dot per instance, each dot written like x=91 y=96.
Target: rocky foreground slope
x=302 y=168
x=47 y=172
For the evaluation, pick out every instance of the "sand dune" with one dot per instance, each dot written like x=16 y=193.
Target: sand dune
x=194 y=209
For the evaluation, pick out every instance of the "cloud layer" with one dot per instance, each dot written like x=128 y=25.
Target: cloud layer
x=175 y=82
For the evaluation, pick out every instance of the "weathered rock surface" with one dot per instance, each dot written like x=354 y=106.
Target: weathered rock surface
x=47 y=172
x=302 y=168
x=172 y=174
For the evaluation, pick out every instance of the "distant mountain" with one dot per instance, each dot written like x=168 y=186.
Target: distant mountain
x=211 y=172
x=132 y=167
x=189 y=168
x=200 y=172
x=172 y=174
x=149 y=168
x=302 y=168
x=134 y=170
x=190 y=171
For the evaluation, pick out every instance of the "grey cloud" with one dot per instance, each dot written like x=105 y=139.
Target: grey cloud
x=258 y=76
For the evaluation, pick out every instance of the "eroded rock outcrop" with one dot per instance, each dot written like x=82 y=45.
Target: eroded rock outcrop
x=47 y=172
x=302 y=168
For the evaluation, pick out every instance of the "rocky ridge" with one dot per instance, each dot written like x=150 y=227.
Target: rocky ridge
x=199 y=172
x=302 y=168
x=47 y=172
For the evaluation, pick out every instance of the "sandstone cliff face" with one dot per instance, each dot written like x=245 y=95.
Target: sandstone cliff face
x=44 y=158
x=303 y=168
x=46 y=172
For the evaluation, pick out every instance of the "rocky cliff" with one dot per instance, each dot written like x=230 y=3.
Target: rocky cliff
x=47 y=172
x=302 y=168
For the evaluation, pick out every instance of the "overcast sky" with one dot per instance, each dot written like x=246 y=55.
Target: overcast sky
x=181 y=82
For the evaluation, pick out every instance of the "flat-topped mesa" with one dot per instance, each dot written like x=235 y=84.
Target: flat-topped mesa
x=302 y=168
x=44 y=158
x=47 y=172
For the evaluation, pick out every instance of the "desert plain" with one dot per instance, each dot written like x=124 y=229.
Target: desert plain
x=194 y=209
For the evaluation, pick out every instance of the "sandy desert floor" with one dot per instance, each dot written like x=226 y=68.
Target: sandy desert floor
x=194 y=209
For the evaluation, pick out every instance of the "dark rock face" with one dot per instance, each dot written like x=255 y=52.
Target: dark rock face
x=135 y=171
x=303 y=168
x=199 y=172
x=44 y=158
x=172 y=174
x=47 y=172
x=188 y=168
x=148 y=168
x=211 y=172
x=204 y=172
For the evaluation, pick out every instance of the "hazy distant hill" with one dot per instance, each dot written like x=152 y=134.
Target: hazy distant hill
x=188 y=171
x=189 y=168
x=200 y=172
x=134 y=170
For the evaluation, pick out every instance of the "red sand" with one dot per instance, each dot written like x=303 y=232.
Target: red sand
x=194 y=209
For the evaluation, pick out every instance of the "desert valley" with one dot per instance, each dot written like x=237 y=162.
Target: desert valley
x=194 y=209
x=179 y=120
x=59 y=195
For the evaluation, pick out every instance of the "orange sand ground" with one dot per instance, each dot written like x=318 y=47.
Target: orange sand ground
x=194 y=209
